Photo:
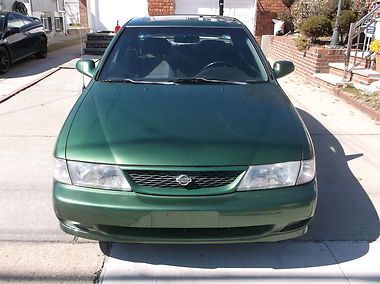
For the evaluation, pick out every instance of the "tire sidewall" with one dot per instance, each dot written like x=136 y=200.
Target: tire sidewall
x=42 y=53
x=3 y=50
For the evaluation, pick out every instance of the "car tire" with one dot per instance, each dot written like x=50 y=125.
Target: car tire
x=5 y=60
x=42 y=53
x=105 y=247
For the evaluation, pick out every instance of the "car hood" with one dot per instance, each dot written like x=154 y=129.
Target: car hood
x=184 y=125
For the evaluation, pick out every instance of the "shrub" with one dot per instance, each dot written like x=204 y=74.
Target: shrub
x=375 y=46
x=302 y=9
x=315 y=27
x=302 y=43
x=345 y=19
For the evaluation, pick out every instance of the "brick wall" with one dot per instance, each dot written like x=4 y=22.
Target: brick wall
x=266 y=11
x=314 y=60
x=160 y=7
x=83 y=13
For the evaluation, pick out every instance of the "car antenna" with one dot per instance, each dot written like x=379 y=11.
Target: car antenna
x=81 y=51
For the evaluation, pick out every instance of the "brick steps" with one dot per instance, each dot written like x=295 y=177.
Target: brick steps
x=97 y=43
x=327 y=81
x=360 y=75
x=94 y=51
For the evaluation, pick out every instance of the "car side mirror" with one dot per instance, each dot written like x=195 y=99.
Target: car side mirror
x=282 y=68
x=86 y=67
x=12 y=31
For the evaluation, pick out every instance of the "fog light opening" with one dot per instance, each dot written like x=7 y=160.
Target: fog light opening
x=75 y=226
x=296 y=225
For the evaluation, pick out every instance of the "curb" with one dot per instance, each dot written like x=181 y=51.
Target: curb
x=338 y=92
x=374 y=114
x=28 y=85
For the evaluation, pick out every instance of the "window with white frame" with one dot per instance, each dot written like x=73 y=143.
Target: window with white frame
x=61 y=5
x=47 y=24
x=58 y=22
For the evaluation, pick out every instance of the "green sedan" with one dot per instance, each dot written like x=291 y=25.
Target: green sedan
x=184 y=135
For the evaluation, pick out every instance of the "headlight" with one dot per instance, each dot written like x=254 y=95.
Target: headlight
x=61 y=173
x=98 y=176
x=307 y=171
x=278 y=175
x=90 y=175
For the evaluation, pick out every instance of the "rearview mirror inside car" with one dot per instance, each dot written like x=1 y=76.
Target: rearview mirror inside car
x=282 y=68
x=86 y=67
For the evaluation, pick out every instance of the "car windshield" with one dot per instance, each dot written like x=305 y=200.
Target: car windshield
x=2 y=22
x=208 y=55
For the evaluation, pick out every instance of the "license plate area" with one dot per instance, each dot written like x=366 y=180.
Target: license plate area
x=185 y=219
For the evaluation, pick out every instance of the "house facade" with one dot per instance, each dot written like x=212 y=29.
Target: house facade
x=257 y=15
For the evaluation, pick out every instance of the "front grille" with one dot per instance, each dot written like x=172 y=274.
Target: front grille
x=168 y=178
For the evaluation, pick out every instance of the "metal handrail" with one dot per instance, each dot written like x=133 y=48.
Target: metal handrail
x=355 y=30
x=368 y=15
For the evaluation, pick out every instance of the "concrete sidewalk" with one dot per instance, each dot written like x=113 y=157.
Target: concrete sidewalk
x=284 y=262
x=29 y=71
x=33 y=247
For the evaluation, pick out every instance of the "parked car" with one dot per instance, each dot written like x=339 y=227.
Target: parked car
x=184 y=135
x=20 y=37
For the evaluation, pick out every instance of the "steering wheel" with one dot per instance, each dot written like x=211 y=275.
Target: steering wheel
x=218 y=63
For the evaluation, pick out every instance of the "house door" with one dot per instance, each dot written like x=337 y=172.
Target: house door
x=244 y=10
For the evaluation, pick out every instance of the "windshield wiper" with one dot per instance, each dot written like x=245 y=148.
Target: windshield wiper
x=205 y=81
x=131 y=81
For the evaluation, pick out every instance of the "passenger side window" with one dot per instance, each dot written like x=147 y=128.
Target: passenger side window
x=15 y=21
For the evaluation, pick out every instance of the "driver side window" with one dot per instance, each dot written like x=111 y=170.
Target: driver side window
x=14 y=21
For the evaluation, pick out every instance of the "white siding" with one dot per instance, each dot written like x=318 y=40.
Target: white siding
x=244 y=10
x=103 y=14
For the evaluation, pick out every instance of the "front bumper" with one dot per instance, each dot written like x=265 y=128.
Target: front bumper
x=263 y=215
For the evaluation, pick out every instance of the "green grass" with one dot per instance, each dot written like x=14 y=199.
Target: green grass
x=372 y=100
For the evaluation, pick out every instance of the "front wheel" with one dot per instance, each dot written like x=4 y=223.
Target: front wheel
x=42 y=53
x=4 y=60
x=105 y=247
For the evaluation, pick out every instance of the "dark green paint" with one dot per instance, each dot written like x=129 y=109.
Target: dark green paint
x=276 y=207
x=282 y=68
x=184 y=125
x=86 y=67
x=60 y=146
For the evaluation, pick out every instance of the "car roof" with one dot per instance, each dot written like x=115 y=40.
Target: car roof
x=186 y=21
x=5 y=12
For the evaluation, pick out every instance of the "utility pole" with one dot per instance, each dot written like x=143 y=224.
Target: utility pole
x=335 y=36
x=221 y=7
